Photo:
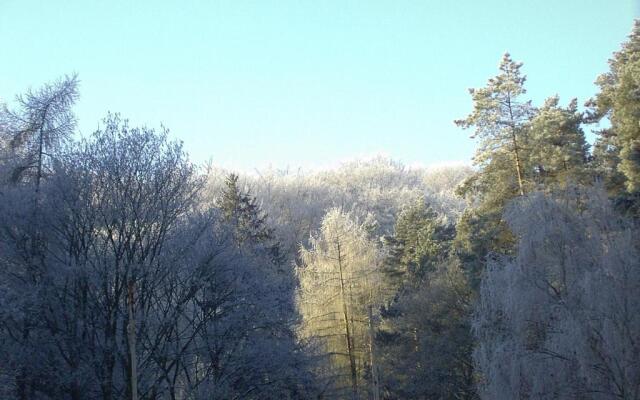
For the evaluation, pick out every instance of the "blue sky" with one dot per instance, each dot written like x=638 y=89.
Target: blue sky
x=250 y=84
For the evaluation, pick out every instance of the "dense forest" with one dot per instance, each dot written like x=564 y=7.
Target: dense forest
x=129 y=272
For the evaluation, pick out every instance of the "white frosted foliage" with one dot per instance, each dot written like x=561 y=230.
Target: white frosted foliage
x=560 y=320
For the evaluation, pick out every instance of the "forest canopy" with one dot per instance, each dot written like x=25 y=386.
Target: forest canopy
x=129 y=272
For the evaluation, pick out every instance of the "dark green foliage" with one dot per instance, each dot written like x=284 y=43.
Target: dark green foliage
x=241 y=209
x=617 y=149
x=557 y=149
x=522 y=149
x=424 y=339
x=606 y=159
x=499 y=119
x=478 y=235
x=421 y=239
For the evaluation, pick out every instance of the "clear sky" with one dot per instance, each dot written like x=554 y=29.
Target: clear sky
x=250 y=84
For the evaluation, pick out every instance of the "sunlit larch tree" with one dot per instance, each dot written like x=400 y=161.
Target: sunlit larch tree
x=339 y=286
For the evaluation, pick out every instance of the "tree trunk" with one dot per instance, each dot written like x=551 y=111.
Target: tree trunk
x=350 y=350
x=518 y=162
x=375 y=381
x=131 y=333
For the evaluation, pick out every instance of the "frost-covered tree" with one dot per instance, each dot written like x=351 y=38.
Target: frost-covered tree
x=296 y=202
x=340 y=283
x=559 y=320
x=140 y=285
x=42 y=122
x=30 y=139
x=109 y=206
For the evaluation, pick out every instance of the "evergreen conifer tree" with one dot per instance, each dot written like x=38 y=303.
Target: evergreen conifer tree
x=500 y=117
x=617 y=150
x=250 y=223
x=558 y=149
x=424 y=339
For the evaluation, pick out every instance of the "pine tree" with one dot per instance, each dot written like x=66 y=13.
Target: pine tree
x=521 y=149
x=499 y=117
x=558 y=150
x=618 y=147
